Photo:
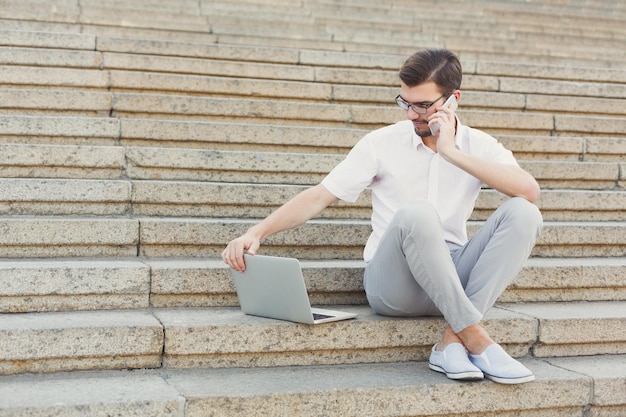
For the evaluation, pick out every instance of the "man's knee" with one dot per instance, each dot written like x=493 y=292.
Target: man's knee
x=418 y=219
x=524 y=214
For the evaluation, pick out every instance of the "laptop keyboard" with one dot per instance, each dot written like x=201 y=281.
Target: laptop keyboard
x=320 y=316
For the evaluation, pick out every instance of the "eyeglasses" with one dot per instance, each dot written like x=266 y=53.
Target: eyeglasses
x=420 y=108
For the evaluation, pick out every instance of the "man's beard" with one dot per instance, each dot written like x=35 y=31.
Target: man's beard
x=423 y=133
x=421 y=122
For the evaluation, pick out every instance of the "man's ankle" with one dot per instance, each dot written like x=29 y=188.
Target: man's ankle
x=475 y=339
x=448 y=338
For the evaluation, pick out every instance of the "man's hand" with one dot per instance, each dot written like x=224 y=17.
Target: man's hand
x=509 y=179
x=447 y=129
x=295 y=212
x=233 y=254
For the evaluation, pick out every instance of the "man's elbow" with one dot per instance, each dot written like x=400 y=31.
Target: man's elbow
x=532 y=191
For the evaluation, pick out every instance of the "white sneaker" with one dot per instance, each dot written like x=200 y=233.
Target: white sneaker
x=453 y=362
x=499 y=367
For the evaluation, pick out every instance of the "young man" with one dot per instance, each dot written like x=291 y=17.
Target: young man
x=424 y=186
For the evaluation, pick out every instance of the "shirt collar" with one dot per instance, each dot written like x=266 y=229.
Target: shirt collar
x=460 y=129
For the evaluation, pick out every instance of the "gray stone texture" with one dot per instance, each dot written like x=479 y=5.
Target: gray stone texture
x=138 y=138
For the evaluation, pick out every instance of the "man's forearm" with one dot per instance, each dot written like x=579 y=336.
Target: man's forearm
x=295 y=212
x=510 y=180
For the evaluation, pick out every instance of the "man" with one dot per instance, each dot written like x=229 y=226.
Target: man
x=424 y=186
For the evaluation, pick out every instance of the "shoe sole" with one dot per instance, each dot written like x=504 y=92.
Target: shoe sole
x=466 y=376
x=510 y=381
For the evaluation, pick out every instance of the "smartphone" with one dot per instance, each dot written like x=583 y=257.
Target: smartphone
x=450 y=103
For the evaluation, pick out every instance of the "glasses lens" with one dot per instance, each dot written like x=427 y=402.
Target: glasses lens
x=419 y=109
x=406 y=106
x=403 y=104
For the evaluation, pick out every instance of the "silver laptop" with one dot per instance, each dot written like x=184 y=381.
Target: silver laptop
x=274 y=287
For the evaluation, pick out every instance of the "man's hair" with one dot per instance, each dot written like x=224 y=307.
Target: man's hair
x=438 y=65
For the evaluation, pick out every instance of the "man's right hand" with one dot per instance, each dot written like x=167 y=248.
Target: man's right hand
x=233 y=254
x=295 y=212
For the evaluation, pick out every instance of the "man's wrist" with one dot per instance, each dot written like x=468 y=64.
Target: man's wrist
x=256 y=232
x=450 y=154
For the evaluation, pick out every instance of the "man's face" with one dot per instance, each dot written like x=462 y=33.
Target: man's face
x=422 y=95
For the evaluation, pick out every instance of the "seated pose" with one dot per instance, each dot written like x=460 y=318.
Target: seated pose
x=424 y=186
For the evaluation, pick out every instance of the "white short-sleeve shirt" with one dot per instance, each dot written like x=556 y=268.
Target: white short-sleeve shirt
x=399 y=168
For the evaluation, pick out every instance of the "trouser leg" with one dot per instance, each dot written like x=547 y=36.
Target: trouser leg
x=412 y=273
x=494 y=256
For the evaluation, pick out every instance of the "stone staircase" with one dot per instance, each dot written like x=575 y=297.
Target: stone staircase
x=138 y=138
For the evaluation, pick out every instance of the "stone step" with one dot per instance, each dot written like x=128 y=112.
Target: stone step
x=346 y=68
x=86 y=161
x=204 y=50
x=208 y=283
x=250 y=136
x=34 y=285
x=208 y=199
x=296 y=65
x=133 y=32
x=476 y=43
x=39 y=285
x=60 y=161
x=139 y=23
x=367 y=12
x=32 y=160
x=512 y=90
x=233 y=136
x=313 y=139
x=561 y=112
x=93 y=131
x=563 y=205
x=40 y=236
x=323 y=114
x=46 y=197
x=543 y=34
x=68 y=341
x=465 y=50
x=67 y=236
x=51 y=40
x=19 y=76
x=203 y=134
x=70 y=394
x=308 y=169
x=185 y=7
x=56 y=102
x=56 y=197
x=43 y=57
x=394 y=389
x=144 y=17
x=591 y=383
x=344 y=239
x=479 y=74
x=70 y=236
x=376 y=110
x=353 y=29
x=312 y=18
x=527 y=47
x=319 y=114
x=61 y=197
x=225 y=337
x=554 y=318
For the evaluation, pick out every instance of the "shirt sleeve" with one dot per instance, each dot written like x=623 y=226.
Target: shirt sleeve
x=355 y=173
x=490 y=148
x=498 y=153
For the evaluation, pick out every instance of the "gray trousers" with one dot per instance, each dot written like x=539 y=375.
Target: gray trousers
x=414 y=272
